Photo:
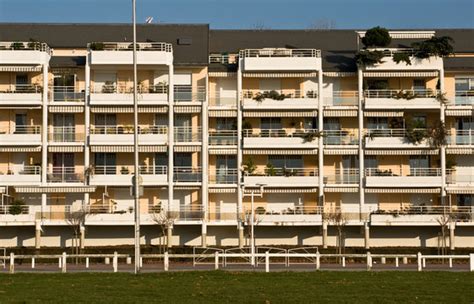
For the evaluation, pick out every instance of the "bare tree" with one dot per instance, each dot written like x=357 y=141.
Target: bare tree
x=165 y=220
x=260 y=25
x=76 y=220
x=247 y=223
x=339 y=220
x=444 y=220
x=322 y=24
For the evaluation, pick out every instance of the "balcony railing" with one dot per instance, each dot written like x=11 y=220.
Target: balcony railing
x=280 y=53
x=128 y=46
x=187 y=174
x=342 y=98
x=128 y=89
x=287 y=172
x=339 y=137
x=223 y=176
x=25 y=46
x=400 y=172
x=229 y=99
x=19 y=170
x=112 y=170
x=187 y=134
x=223 y=138
x=462 y=178
x=13 y=209
x=19 y=129
x=129 y=129
x=464 y=98
x=22 y=89
x=401 y=94
x=461 y=138
x=187 y=213
x=390 y=132
x=64 y=175
x=66 y=94
x=277 y=133
x=153 y=170
x=464 y=212
x=296 y=210
x=65 y=134
x=189 y=93
x=343 y=176
x=278 y=94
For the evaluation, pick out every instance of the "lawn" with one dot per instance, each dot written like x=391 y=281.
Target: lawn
x=239 y=287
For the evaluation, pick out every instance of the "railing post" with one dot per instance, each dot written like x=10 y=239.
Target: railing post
x=87 y=262
x=33 y=263
x=60 y=262
x=216 y=260
x=115 y=261
x=63 y=268
x=343 y=262
x=423 y=262
x=166 y=261
x=471 y=261
x=12 y=263
x=318 y=260
x=418 y=259
x=450 y=262
x=267 y=261
x=369 y=261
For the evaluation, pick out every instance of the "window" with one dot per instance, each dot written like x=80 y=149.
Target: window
x=377 y=123
x=20 y=123
x=331 y=124
x=419 y=164
x=270 y=123
x=464 y=84
x=105 y=163
x=226 y=123
x=419 y=85
x=419 y=121
x=370 y=161
x=286 y=161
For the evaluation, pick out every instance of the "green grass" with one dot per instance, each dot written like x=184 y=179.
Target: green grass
x=239 y=287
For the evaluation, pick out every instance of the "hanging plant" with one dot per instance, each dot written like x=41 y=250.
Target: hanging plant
x=366 y=57
x=399 y=57
x=435 y=46
x=311 y=135
x=438 y=135
x=441 y=97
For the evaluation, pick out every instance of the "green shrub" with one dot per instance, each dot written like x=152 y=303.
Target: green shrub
x=16 y=207
x=435 y=46
x=377 y=37
x=366 y=57
x=96 y=46
x=399 y=57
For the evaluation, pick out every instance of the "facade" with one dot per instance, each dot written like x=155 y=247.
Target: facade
x=281 y=120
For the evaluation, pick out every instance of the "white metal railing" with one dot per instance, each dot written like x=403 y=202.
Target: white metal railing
x=153 y=170
x=342 y=176
x=22 y=89
x=223 y=176
x=342 y=98
x=20 y=170
x=279 y=94
x=464 y=98
x=187 y=213
x=389 y=52
x=25 y=46
x=339 y=137
x=185 y=93
x=20 y=129
x=223 y=137
x=14 y=209
x=128 y=46
x=276 y=52
x=112 y=170
x=296 y=210
x=288 y=172
x=389 y=132
x=219 y=58
x=66 y=93
x=400 y=172
x=65 y=134
x=128 y=129
x=187 y=134
x=64 y=175
x=187 y=174
x=223 y=100
x=113 y=88
x=441 y=210
x=401 y=94
x=455 y=177
x=461 y=138
x=277 y=132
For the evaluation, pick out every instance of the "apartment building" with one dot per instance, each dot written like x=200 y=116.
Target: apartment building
x=282 y=121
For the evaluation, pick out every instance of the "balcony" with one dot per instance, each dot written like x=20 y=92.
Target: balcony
x=65 y=175
x=189 y=94
x=432 y=63
x=392 y=138
x=342 y=99
x=123 y=135
x=226 y=214
x=187 y=174
x=461 y=138
x=9 y=216
x=401 y=99
x=340 y=138
x=123 y=175
x=421 y=215
x=65 y=135
x=118 y=53
x=187 y=135
x=223 y=138
x=22 y=95
x=223 y=176
x=416 y=177
x=280 y=59
x=66 y=95
x=280 y=138
x=225 y=99
x=283 y=177
x=460 y=177
x=188 y=213
x=13 y=175
x=31 y=53
x=21 y=136
x=463 y=98
x=289 y=216
x=348 y=176
x=280 y=100
x=111 y=94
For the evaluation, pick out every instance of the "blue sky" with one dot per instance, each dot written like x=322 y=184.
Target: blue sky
x=273 y=14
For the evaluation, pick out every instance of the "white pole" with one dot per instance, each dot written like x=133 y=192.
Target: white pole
x=135 y=141
x=318 y=260
x=166 y=261
x=418 y=259
x=252 y=239
x=343 y=262
x=115 y=261
x=87 y=262
x=12 y=262
x=63 y=268
x=267 y=261
x=471 y=261
x=216 y=260
x=450 y=263
x=32 y=263
x=396 y=262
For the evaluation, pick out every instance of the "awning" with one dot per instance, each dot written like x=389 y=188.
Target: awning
x=466 y=190
x=281 y=75
x=341 y=151
x=20 y=149
x=383 y=114
x=403 y=190
x=285 y=190
x=55 y=189
x=222 y=113
x=222 y=190
x=280 y=151
x=187 y=148
x=65 y=109
x=339 y=74
x=127 y=149
x=401 y=74
x=309 y=113
x=460 y=151
x=71 y=149
x=129 y=109
x=222 y=151
x=191 y=188
x=20 y=68
x=222 y=74
x=340 y=113
x=458 y=112
x=402 y=152
x=341 y=189
x=187 y=109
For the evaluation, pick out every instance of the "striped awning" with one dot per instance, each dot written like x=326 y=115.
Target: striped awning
x=222 y=113
x=402 y=190
x=280 y=151
x=339 y=74
x=20 y=149
x=341 y=151
x=340 y=113
x=222 y=151
x=191 y=188
x=384 y=114
x=465 y=190
x=287 y=190
x=402 y=152
x=65 y=109
x=129 y=109
x=281 y=75
x=127 y=149
x=459 y=112
x=187 y=148
x=309 y=113
x=71 y=149
x=342 y=189
x=55 y=189
x=187 y=109
x=222 y=190
x=20 y=68
x=460 y=151
x=222 y=74
x=402 y=74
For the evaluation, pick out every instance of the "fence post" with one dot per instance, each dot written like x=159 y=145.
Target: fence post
x=396 y=262
x=32 y=263
x=63 y=268
x=418 y=260
x=216 y=260
x=129 y=260
x=60 y=262
x=343 y=262
x=141 y=262
x=471 y=261
x=424 y=262
x=12 y=262
x=369 y=261
x=383 y=260
x=115 y=261
x=87 y=262
x=107 y=261
x=318 y=260
x=267 y=261
x=450 y=262
x=166 y=261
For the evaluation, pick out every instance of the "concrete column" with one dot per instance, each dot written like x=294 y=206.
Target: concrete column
x=239 y=206
x=170 y=135
x=87 y=120
x=367 y=235
x=44 y=202
x=320 y=141
x=37 y=234
x=240 y=230
x=204 y=235
x=82 y=230
x=360 y=86
x=169 y=237
x=443 y=148
x=325 y=235
x=44 y=128
x=205 y=163
x=452 y=227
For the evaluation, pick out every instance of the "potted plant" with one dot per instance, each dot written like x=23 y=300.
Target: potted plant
x=96 y=46
x=124 y=171
x=108 y=87
x=259 y=210
x=249 y=166
x=16 y=207
x=270 y=169
x=17 y=46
